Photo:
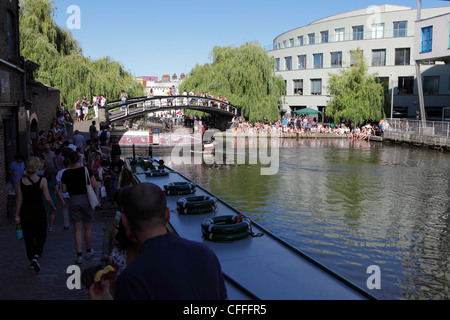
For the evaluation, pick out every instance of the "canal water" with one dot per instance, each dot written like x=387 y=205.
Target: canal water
x=349 y=205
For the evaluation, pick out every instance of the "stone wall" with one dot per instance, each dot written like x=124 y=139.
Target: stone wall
x=437 y=142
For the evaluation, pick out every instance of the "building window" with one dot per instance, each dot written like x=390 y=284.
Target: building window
x=301 y=62
x=300 y=40
x=431 y=85
x=377 y=30
x=312 y=38
x=298 y=87
x=288 y=62
x=316 y=86
x=405 y=85
x=400 y=29
x=427 y=39
x=318 y=60
x=324 y=36
x=5 y=86
x=379 y=57
x=336 y=59
x=11 y=34
x=291 y=42
x=352 y=57
x=358 y=32
x=285 y=44
x=340 y=34
x=277 y=60
x=402 y=57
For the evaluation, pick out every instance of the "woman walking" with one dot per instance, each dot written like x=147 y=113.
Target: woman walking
x=30 y=211
x=80 y=211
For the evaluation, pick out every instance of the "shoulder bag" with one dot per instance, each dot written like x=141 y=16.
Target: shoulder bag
x=92 y=196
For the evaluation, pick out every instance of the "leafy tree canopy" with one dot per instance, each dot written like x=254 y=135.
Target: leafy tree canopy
x=245 y=76
x=62 y=64
x=355 y=95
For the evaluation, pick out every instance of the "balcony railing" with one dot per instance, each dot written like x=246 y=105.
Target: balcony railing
x=338 y=37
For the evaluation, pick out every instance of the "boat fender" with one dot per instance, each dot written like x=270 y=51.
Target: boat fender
x=197 y=202
x=225 y=225
x=179 y=188
x=156 y=173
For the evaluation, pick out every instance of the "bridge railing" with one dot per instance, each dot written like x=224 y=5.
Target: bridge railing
x=428 y=128
x=140 y=104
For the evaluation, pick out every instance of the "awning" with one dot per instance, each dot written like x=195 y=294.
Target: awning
x=307 y=111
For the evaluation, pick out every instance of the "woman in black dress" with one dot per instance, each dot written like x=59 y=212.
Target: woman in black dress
x=30 y=211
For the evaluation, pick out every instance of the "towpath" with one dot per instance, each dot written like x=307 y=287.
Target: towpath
x=18 y=282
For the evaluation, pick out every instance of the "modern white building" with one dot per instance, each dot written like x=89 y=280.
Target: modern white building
x=386 y=34
x=432 y=43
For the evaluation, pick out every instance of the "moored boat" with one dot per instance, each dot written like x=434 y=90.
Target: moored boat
x=256 y=263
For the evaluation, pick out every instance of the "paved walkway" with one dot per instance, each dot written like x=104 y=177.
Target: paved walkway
x=18 y=282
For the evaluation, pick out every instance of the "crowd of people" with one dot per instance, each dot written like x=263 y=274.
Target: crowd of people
x=83 y=106
x=304 y=126
x=53 y=174
x=58 y=170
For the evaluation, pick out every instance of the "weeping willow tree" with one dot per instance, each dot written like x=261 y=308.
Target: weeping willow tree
x=245 y=76
x=62 y=64
x=356 y=96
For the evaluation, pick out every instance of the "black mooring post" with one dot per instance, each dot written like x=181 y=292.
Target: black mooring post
x=150 y=151
x=134 y=153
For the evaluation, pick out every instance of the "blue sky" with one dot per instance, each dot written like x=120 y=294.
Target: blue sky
x=152 y=38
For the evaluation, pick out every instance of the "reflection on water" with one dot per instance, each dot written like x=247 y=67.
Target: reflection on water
x=351 y=204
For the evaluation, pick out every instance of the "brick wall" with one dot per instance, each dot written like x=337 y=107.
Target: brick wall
x=9 y=102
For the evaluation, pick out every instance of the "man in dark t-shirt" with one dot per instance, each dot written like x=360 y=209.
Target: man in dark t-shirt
x=168 y=267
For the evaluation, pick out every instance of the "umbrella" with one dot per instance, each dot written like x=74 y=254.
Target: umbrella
x=307 y=111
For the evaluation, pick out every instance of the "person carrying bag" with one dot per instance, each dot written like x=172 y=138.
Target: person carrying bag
x=80 y=183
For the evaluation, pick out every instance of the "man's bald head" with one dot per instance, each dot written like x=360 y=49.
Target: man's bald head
x=145 y=206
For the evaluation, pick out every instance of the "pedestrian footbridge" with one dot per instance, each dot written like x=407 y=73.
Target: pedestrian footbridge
x=116 y=111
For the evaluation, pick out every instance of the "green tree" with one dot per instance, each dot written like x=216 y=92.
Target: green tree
x=245 y=76
x=356 y=96
x=62 y=64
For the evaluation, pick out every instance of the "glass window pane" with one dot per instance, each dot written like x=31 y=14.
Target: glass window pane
x=358 y=32
x=336 y=59
x=400 y=29
x=379 y=57
x=318 y=60
x=324 y=36
x=302 y=62
x=427 y=39
x=340 y=34
x=378 y=30
x=288 y=61
x=316 y=86
x=402 y=57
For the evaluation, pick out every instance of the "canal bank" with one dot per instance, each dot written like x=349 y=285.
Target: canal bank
x=418 y=140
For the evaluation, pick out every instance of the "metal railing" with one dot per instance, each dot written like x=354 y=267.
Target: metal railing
x=338 y=37
x=427 y=128
x=136 y=106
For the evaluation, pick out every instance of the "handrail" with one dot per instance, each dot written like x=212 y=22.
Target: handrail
x=426 y=128
x=334 y=37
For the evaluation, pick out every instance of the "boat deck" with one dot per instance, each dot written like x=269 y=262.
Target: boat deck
x=263 y=267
